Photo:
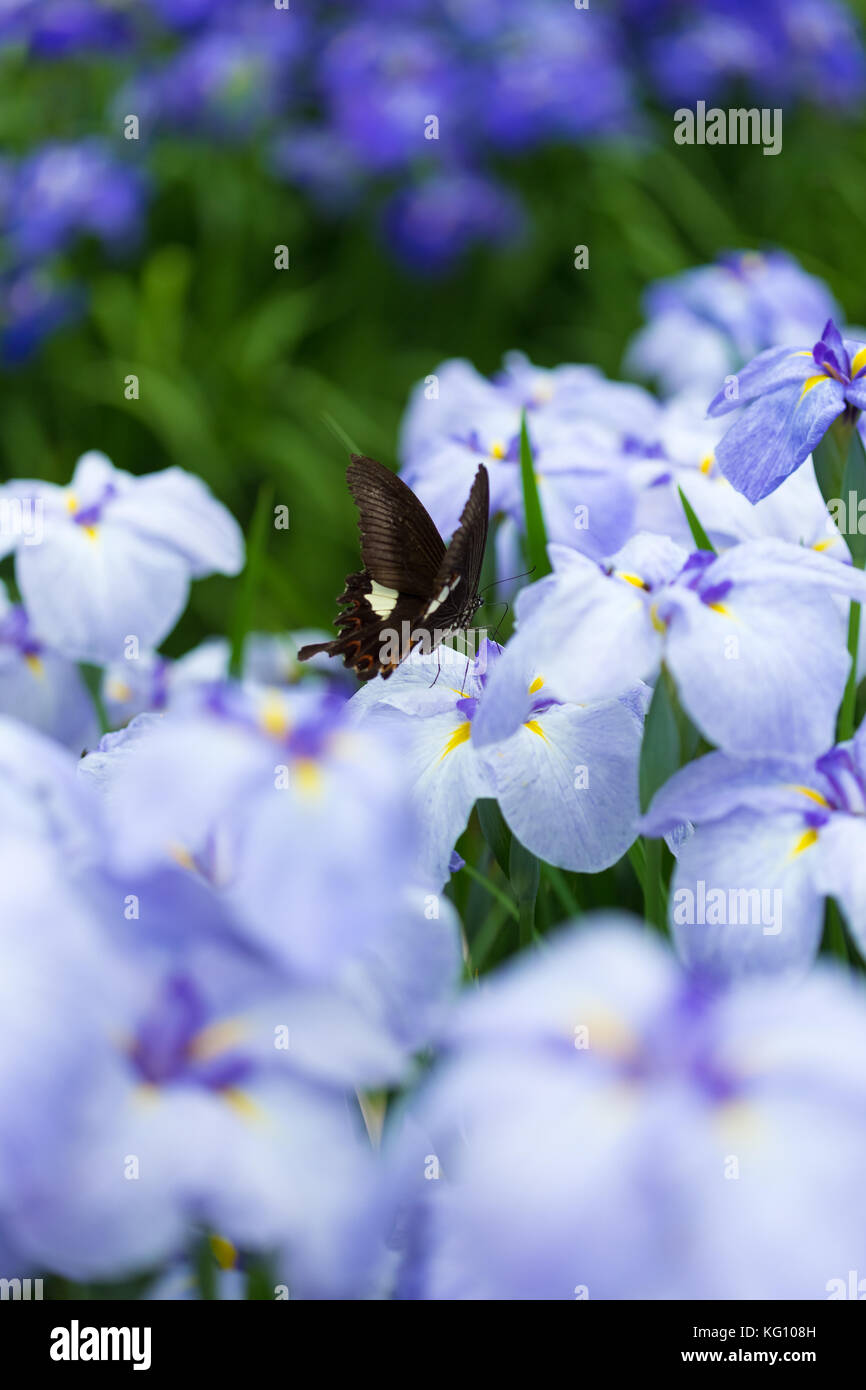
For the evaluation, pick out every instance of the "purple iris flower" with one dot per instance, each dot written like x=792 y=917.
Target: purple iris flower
x=383 y=82
x=273 y=802
x=591 y=1089
x=116 y=554
x=33 y=306
x=780 y=50
x=754 y=638
x=727 y=313
x=430 y=223
x=795 y=395
x=39 y=686
x=565 y=776
x=55 y=29
x=68 y=190
x=760 y=845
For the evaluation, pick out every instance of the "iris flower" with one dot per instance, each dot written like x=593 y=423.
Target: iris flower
x=793 y=396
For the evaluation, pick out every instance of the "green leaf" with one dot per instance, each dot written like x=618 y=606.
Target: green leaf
x=495 y=831
x=493 y=889
x=661 y=750
x=834 y=942
x=669 y=741
x=524 y=871
x=256 y=546
x=559 y=883
x=853 y=495
x=840 y=464
x=699 y=535
x=339 y=433
x=830 y=457
x=92 y=677
x=536 y=535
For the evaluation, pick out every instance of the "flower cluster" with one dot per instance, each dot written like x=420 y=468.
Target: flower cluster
x=410 y=101
x=307 y=983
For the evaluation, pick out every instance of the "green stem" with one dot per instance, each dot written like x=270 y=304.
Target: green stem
x=557 y=880
x=93 y=680
x=654 y=897
x=493 y=889
x=524 y=871
x=834 y=932
x=847 y=712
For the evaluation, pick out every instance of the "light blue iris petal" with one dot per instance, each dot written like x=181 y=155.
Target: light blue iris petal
x=771 y=911
x=567 y=784
x=775 y=435
x=766 y=673
x=771 y=370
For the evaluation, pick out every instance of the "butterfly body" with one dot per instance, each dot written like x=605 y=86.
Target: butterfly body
x=413 y=590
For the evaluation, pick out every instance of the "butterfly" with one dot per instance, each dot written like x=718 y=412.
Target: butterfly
x=410 y=578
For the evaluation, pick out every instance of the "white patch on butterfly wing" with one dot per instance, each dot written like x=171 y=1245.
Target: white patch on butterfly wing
x=443 y=594
x=382 y=600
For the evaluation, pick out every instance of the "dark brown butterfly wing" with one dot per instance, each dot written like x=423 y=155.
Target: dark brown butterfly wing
x=455 y=597
x=407 y=568
x=400 y=547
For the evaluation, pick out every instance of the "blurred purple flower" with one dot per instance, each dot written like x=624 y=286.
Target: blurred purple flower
x=592 y=1089
x=58 y=28
x=67 y=190
x=430 y=224
x=708 y=321
x=33 y=306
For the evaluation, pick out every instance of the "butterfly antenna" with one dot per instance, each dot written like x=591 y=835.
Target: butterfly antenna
x=504 y=615
x=438 y=668
x=507 y=579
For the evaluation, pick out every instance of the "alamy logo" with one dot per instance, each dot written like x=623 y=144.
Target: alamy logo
x=22 y=518
x=76 y=1343
x=24 y=1289
x=737 y=126
x=729 y=907
x=853 y=1287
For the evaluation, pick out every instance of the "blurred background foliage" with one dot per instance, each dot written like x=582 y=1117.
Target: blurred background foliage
x=249 y=374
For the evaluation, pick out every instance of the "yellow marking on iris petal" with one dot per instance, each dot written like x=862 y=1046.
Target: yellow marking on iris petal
x=536 y=684
x=812 y=795
x=658 y=623
x=461 y=693
x=497 y=449
x=460 y=735
x=182 y=856
x=826 y=544
x=223 y=1252
x=707 y=463
x=71 y=503
x=35 y=666
x=737 y=1120
x=242 y=1104
x=216 y=1038
x=91 y=532
x=272 y=715
x=536 y=728
x=634 y=579
x=146 y=1092
x=118 y=690
x=607 y=1033
x=802 y=352
x=805 y=841
x=720 y=608
x=812 y=381
x=308 y=776
x=858 y=361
